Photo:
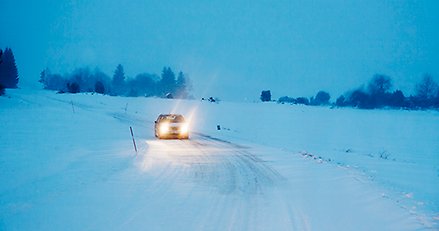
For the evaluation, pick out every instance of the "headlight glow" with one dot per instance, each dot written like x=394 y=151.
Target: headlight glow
x=164 y=128
x=184 y=128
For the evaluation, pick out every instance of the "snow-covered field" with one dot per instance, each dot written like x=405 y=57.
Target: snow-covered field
x=67 y=163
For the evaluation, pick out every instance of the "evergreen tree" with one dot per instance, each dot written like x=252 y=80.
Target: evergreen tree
x=142 y=85
x=119 y=76
x=436 y=100
x=2 y=90
x=182 y=86
x=8 y=70
x=167 y=83
x=44 y=78
x=118 y=81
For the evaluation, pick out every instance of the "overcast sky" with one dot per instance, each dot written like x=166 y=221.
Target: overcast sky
x=230 y=48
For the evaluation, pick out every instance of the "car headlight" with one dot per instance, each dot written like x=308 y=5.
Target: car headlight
x=164 y=128
x=184 y=128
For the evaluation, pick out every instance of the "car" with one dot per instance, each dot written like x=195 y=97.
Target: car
x=171 y=126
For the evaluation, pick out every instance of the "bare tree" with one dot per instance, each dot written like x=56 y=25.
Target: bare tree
x=379 y=84
x=427 y=88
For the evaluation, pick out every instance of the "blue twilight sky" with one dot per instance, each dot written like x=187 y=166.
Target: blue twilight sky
x=230 y=48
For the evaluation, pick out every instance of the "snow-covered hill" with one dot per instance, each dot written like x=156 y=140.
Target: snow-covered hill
x=68 y=163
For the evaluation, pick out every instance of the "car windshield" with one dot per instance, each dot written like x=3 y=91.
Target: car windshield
x=174 y=118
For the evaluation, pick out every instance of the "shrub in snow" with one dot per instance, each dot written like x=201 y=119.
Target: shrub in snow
x=397 y=99
x=340 y=102
x=286 y=99
x=99 y=87
x=266 y=96
x=73 y=88
x=302 y=100
x=322 y=98
x=169 y=96
x=358 y=98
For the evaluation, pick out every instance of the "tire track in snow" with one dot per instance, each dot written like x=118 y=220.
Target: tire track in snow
x=213 y=164
x=240 y=183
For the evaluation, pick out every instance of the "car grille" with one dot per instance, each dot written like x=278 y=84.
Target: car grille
x=174 y=129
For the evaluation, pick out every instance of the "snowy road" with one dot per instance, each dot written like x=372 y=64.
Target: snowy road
x=226 y=167
x=229 y=185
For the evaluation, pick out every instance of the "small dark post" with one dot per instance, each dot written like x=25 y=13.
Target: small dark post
x=134 y=141
x=218 y=127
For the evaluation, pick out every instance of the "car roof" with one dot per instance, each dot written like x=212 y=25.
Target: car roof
x=171 y=116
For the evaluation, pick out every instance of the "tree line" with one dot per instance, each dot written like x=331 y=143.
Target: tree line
x=378 y=93
x=8 y=70
x=144 y=84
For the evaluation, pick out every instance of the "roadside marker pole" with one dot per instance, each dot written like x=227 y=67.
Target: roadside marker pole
x=134 y=141
x=73 y=108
